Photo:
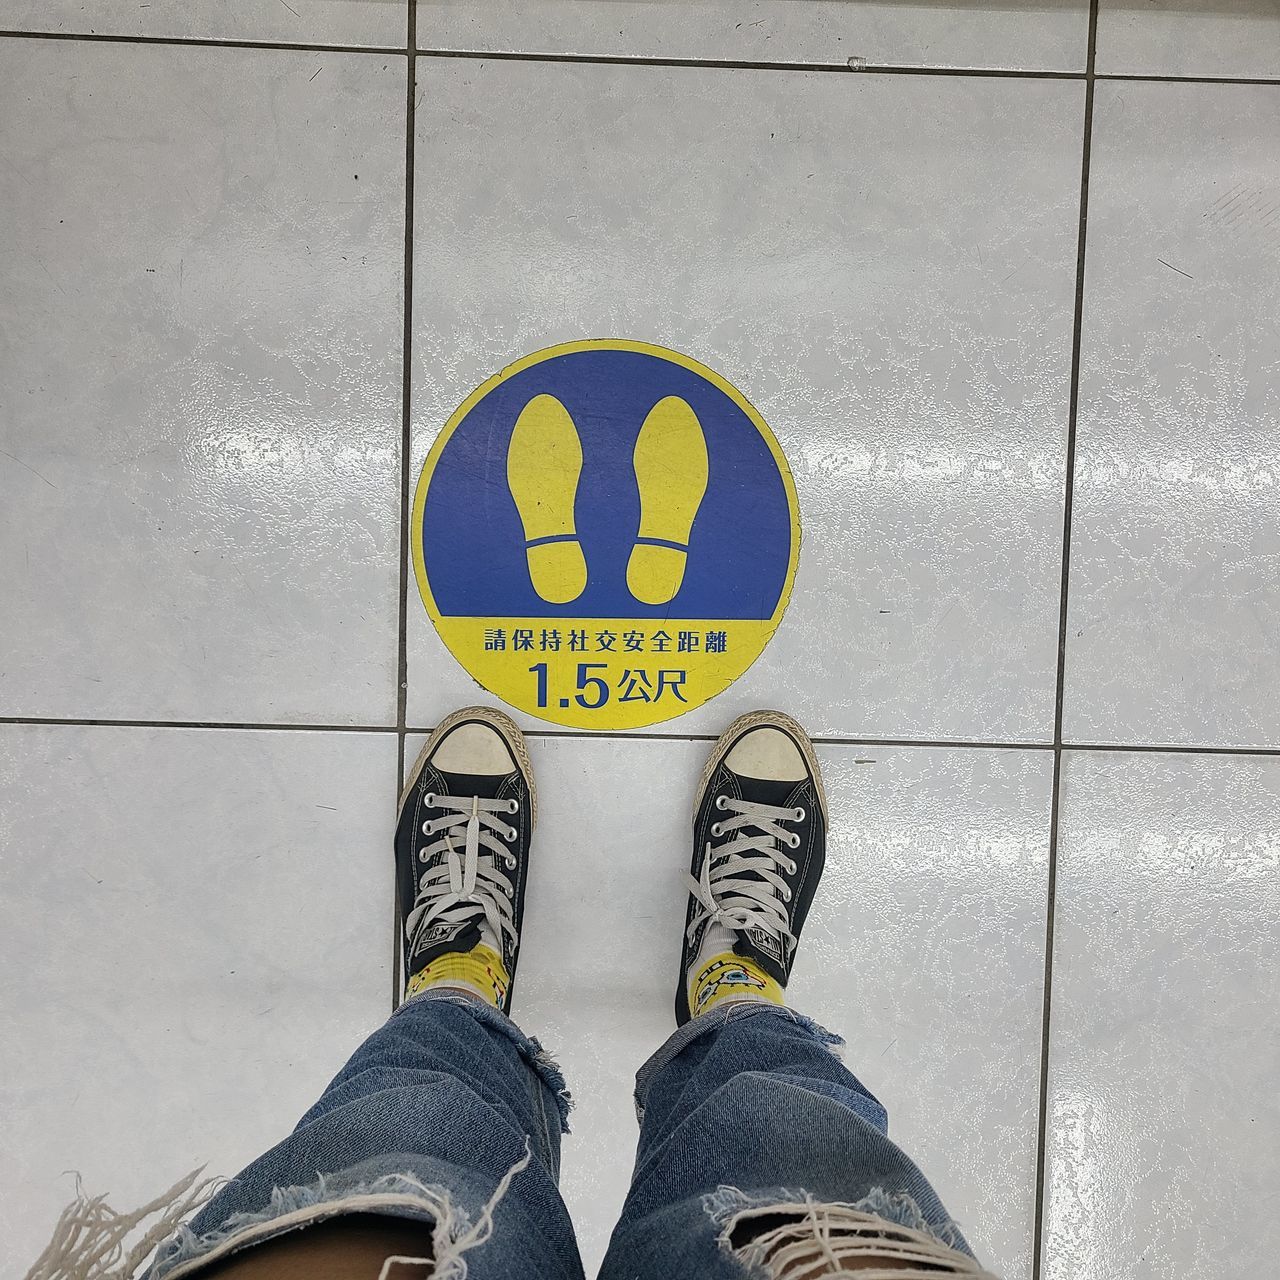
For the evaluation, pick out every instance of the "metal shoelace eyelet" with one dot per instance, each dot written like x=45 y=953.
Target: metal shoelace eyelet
x=716 y=830
x=800 y=815
x=513 y=806
x=722 y=802
x=794 y=841
x=429 y=799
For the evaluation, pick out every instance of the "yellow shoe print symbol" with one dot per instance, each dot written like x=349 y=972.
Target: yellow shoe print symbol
x=544 y=461
x=671 y=473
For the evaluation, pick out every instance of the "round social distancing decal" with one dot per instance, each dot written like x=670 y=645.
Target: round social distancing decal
x=605 y=534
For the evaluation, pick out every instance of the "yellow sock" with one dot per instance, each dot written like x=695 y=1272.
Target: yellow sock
x=731 y=977
x=480 y=969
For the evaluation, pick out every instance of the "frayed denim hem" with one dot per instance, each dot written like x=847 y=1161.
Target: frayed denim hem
x=726 y=1203
x=530 y=1049
x=714 y=1020
x=783 y=1227
x=399 y=1195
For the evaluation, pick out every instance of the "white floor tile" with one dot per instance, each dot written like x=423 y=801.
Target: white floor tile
x=345 y=22
x=194 y=935
x=202 y=266
x=1175 y=562
x=1051 y=36
x=924 y=948
x=898 y=306
x=1164 y=1125
x=1171 y=38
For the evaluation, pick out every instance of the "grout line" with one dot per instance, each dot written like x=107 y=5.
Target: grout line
x=731 y=64
x=257 y=726
x=840 y=740
x=750 y=64
x=1042 y=1111
x=1167 y=750
x=204 y=42
x=1073 y=403
x=1136 y=78
x=402 y=652
x=1055 y=804
x=845 y=68
x=964 y=744
x=832 y=740
x=819 y=739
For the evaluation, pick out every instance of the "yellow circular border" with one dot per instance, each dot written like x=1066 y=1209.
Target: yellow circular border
x=569 y=348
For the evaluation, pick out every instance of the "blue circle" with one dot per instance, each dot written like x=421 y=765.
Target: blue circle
x=473 y=543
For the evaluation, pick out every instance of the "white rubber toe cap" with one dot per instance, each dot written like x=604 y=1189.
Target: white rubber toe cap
x=473 y=748
x=768 y=754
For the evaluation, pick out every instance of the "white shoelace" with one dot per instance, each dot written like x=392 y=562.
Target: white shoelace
x=466 y=882
x=741 y=891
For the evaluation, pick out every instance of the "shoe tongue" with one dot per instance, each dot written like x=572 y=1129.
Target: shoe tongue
x=485 y=785
x=765 y=790
x=766 y=949
x=437 y=939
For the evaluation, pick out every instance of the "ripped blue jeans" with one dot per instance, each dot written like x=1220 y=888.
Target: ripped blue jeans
x=450 y=1115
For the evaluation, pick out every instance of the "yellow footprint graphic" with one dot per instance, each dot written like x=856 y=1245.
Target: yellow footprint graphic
x=671 y=473
x=544 y=461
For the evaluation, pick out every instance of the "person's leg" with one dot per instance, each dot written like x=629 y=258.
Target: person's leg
x=355 y=1246
x=448 y=1116
x=444 y=1110
x=760 y=1151
x=760 y=1155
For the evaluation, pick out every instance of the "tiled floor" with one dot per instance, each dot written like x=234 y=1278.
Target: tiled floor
x=1049 y=924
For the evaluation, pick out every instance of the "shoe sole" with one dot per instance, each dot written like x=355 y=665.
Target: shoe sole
x=758 y=720
x=506 y=728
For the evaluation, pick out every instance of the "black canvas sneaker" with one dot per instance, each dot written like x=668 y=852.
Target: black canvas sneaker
x=759 y=844
x=467 y=814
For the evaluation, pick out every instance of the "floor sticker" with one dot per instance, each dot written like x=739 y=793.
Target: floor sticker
x=605 y=534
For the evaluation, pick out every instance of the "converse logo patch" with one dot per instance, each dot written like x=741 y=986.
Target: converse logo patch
x=767 y=943
x=438 y=933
